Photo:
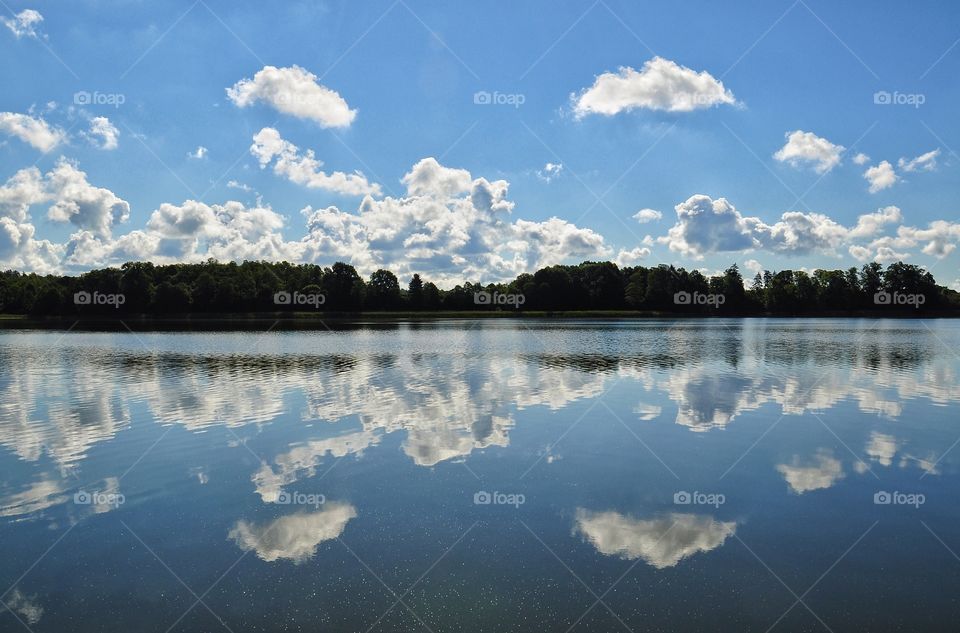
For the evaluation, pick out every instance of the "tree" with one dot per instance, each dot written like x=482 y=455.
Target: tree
x=344 y=287
x=431 y=296
x=383 y=291
x=871 y=280
x=636 y=290
x=415 y=292
x=227 y=287
x=733 y=291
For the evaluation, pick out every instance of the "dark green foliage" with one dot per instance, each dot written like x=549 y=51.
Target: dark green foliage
x=230 y=288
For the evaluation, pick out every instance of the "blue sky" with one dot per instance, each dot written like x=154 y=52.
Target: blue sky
x=104 y=103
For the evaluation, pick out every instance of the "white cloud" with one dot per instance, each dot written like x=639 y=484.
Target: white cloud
x=74 y=199
x=881 y=176
x=77 y=201
x=293 y=537
x=886 y=255
x=706 y=226
x=869 y=224
x=861 y=253
x=32 y=130
x=647 y=215
x=449 y=227
x=304 y=169
x=631 y=257
x=429 y=177
x=661 y=542
x=549 y=171
x=18 y=248
x=233 y=184
x=199 y=153
x=806 y=147
x=660 y=85
x=294 y=91
x=923 y=162
x=101 y=128
x=24 y=24
x=23 y=189
x=190 y=220
x=861 y=159
x=941 y=238
x=753 y=266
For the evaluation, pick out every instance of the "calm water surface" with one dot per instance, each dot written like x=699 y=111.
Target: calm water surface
x=722 y=475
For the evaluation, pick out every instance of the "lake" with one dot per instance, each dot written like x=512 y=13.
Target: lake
x=489 y=475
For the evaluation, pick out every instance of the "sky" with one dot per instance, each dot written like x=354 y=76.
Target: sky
x=480 y=141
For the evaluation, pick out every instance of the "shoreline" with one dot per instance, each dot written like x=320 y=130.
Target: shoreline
x=324 y=320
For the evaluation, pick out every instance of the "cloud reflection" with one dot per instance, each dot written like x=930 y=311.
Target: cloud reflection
x=294 y=537
x=820 y=473
x=661 y=542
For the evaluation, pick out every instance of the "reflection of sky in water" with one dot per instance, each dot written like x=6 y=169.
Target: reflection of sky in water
x=204 y=438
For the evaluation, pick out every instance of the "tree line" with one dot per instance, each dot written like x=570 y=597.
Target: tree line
x=257 y=286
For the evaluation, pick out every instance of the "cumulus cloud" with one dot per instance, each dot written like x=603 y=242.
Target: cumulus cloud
x=199 y=153
x=660 y=85
x=753 y=266
x=923 y=162
x=304 y=168
x=808 y=148
x=881 y=176
x=939 y=238
x=77 y=201
x=294 y=91
x=861 y=253
x=705 y=226
x=631 y=257
x=32 y=130
x=660 y=542
x=73 y=198
x=886 y=255
x=429 y=177
x=869 y=224
x=647 y=215
x=103 y=133
x=549 y=171
x=294 y=537
x=24 y=24
x=449 y=226
x=861 y=159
